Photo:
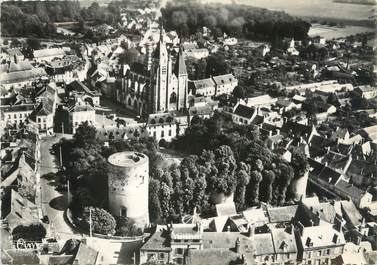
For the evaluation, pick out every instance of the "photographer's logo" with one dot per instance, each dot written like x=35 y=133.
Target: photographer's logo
x=22 y=244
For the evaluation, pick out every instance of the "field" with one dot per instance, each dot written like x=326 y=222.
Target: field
x=336 y=32
x=311 y=8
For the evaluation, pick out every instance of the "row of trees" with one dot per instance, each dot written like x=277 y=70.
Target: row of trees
x=257 y=174
x=37 y=18
x=236 y=20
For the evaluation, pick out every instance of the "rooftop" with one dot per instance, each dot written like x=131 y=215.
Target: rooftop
x=244 y=111
x=127 y=159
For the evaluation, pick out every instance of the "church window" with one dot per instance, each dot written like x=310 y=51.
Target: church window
x=162 y=134
x=129 y=102
x=173 y=97
x=169 y=132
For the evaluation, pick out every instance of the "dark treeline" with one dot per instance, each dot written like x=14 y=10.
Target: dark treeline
x=36 y=18
x=234 y=20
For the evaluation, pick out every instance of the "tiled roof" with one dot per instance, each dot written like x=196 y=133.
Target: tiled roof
x=17 y=108
x=350 y=190
x=86 y=255
x=48 y=52
x=323 y=172
x=14 y=77
x=321 y=236
x=203 y=83
x=282 y=214
x=296 y=128
x=263 y=244
x=20 y=66
x=244 y=111
x=23 y=257
x=226 y=209
x=352 y=213
x=211 y=257
x=284 y=240
x=80 y=87
x=158 y=241
x=13 y=52
x=224 y=79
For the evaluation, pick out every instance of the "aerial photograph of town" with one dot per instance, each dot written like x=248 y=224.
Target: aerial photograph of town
x=188 y=132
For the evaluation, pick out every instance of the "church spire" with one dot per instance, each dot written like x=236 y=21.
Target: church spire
x=180 y=69
x=162 y=31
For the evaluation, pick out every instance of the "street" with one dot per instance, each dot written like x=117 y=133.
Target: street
x=53 y=202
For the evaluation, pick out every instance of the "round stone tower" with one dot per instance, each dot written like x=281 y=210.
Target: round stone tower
x=128 y=186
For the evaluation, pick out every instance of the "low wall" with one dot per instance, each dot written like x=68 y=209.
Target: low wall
x=70 y=221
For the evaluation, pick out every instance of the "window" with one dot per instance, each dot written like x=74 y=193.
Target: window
x=179 y=250
x=9 y=116
x=327 y=251
x=161 y=256
x=169 y=132
x=162 y=134
x=309 y=254
x=20 y=115
x=15 y=116
x=154 y=134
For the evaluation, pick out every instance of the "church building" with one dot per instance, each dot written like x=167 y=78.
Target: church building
x=158 y=85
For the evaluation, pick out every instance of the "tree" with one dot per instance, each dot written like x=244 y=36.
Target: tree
x=299 y=163
x=85 y=135
x=34 y=44
x=127 y=227
x=242 y=181
x=129 y=56
x=253 y=187
x=222 y=166
x=155 y=212
x=33 y=232
x=102 y=221
x=216 y=65
x=239 y=92
x=15 y=43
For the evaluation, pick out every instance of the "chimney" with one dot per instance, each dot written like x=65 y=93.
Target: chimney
x=250 y=231
x=358 y=240
x=238 y=245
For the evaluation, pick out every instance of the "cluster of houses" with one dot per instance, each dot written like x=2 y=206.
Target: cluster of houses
x=311 y=232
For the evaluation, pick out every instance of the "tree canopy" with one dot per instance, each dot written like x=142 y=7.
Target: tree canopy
x=235 y=20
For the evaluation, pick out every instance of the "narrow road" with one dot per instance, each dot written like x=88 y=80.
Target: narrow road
x=54 y=203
